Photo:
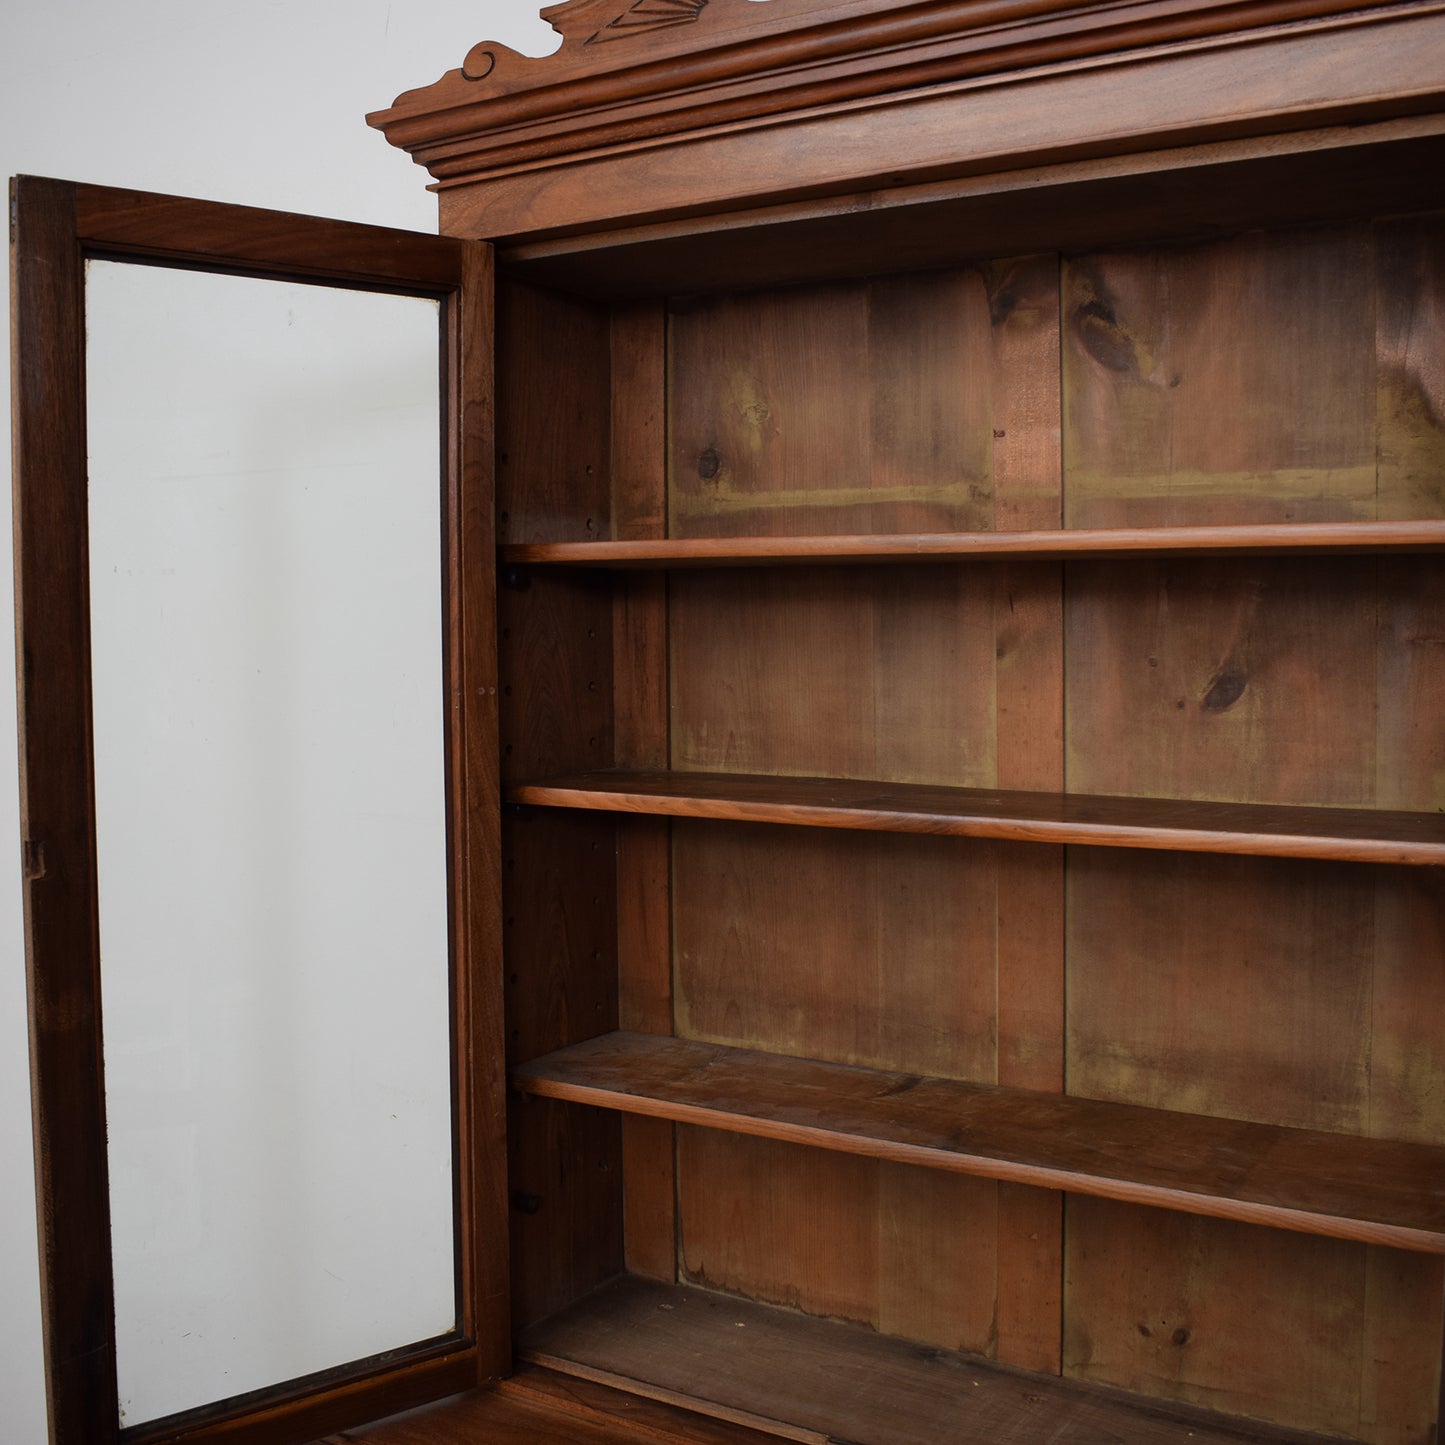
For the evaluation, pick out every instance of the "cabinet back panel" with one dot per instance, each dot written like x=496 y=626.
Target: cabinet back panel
x=922 y=403
x=908 y=1251
x=1303 y=1331
x=837 y=672
x=861 y=949
x=1275 y=992
x=1259 y=680
x=1290 y=992
x=1276 y=376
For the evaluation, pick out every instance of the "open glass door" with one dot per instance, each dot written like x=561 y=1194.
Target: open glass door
x=258 y=722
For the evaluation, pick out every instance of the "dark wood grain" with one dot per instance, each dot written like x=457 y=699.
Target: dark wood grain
x=176 y=230
x=1373 y=1190
x=675 y=552
x=1309 y=75
x=559 y=873
x=57 y=814
x=685 y=69
x=538 y=1406
x=315 y=1405
x=475 y=895
x=1179 y=192
x=1189 y=825
x=823 y=1382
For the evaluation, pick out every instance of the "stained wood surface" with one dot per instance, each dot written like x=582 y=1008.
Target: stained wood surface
x=640 y=690
x=1198 y=826
x=674 y=552
x=618 y=46
x=1327 y=174
x=822 y=1382
x=1272 y=376
x=537 y=1406
x=560 y=897
x=1382 y=1191
x=1307 y=76
x=57 y=816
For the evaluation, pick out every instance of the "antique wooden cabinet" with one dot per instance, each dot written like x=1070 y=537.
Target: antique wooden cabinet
x=970 y=481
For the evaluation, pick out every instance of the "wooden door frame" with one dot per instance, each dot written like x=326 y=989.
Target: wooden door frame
x=56 y=226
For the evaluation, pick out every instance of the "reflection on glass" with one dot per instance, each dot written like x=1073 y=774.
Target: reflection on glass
x=265 y=551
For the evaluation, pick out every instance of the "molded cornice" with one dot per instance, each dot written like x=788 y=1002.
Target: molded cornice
x=639 y=72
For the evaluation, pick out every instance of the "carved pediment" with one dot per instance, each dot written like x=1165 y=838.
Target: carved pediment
x=636 y=75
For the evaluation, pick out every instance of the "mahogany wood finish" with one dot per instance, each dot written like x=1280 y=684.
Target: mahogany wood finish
x=57 y=225
x=1191 y=825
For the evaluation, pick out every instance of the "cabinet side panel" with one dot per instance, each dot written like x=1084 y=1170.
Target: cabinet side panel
x=559 y=870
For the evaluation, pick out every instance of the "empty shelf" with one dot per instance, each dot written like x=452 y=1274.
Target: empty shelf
x=1379 y=1191
x=1180 y=825
x=1293 y=537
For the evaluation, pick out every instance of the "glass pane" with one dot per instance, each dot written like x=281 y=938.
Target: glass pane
x=265 y=553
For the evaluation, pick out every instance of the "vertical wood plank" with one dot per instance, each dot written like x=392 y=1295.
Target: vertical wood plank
x=640 y=684
x=1025 y=424
x=1227 y=382
x=1410 y=351
x=918 y=402
x=57 y=815
x=1271 y=376
x=475 y=807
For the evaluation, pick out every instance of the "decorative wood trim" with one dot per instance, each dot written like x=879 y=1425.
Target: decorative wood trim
x=678 y=70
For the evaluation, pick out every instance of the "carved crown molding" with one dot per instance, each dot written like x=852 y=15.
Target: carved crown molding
x=633 y=73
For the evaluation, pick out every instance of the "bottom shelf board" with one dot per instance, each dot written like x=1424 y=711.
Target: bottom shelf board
x=537 y=1406
x=824 y=1382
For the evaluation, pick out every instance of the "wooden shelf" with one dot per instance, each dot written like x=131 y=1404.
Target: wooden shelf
x=1378 y=1191
x=1298 y=538
x=820 y=1381
x=1178 y=825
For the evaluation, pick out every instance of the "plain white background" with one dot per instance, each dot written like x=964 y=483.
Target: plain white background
x=261 y=104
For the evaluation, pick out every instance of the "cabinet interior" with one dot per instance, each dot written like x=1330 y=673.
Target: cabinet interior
x=1281 y=375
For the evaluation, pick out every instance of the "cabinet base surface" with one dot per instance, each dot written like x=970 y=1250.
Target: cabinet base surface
x=787 y=1375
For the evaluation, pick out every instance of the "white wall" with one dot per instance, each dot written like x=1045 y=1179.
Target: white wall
x=258 y=103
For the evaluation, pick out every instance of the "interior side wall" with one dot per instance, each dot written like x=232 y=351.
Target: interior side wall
x=560 y=901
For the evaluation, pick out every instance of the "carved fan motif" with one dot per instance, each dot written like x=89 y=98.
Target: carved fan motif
x=649 y=15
